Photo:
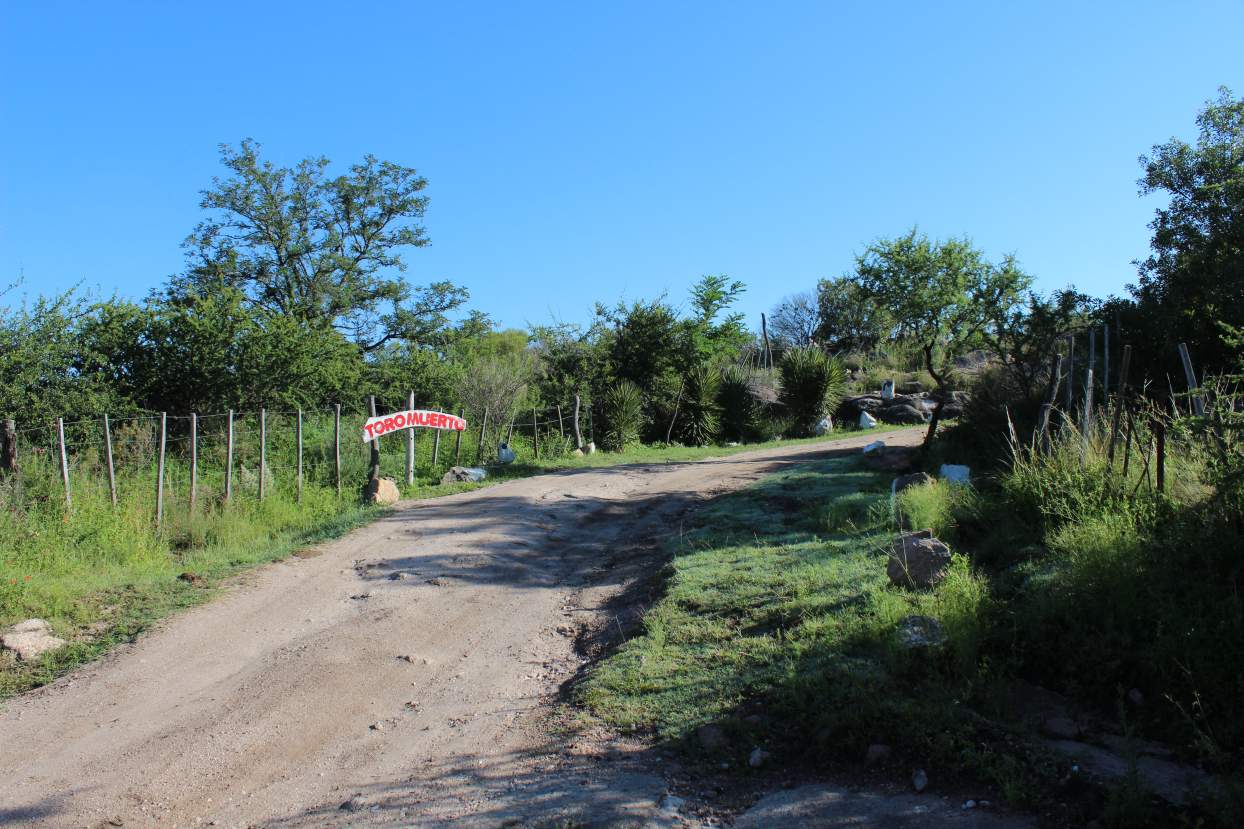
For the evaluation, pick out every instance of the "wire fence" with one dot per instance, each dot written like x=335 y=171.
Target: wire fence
x=163 y=461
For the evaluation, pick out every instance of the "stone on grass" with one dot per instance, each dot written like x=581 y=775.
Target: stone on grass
x=916 y=632
x=867 y=421
x=875 y=446
x=30 y=639
x=917 y=559
x=823 y=426
x=919 y=780
x=887 y=390
x=711 y=737
x=914 y=479
x=903 y=413
x=589 y=448
x=382 y=491
x=955 y=473
x=757 y=758
x=464 y=475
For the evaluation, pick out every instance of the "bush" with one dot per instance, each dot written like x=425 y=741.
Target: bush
x=741 y=415
x=699 y=415
x=813 y=384
x=623 y=410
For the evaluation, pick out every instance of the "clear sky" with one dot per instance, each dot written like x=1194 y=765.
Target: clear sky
x=593 y=151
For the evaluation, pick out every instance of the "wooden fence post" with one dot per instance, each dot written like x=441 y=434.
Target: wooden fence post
x=1105 y=368
x=112 y=472
x=458 y=441
x=194 y=459
x=298 y=440
x=561 y=426
x=479 y=449
x=263 y=450
x=337 y=445
x=410 y=444
x=1047 y=408
x=436 y=450
x=1071 y=375
x=373 y=470
x=229 y=458
x=1198 y=402
x=8 y=447
x=1118 y=405
x=578 y=433
x=64 y=460
x=509 y=435
x=160 y=470
x=1159 y=435
x=535 y=433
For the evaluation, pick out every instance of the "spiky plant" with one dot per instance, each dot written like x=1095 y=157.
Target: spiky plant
x=813 y=384
x=740 y=411
x=623 y=408
x=699 y=416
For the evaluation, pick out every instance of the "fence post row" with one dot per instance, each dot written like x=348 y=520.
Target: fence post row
x=410 y=444
x=64 y=459
x=160 y=470
x=263 y=449
x=229 y=459
x=112 y=474
x=194 y=458
x=337 y=445
x=298 y=440
x=479 y=449
x=458 y=442
x=1118 y=407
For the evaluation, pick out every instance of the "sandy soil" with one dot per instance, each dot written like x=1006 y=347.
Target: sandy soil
x=399 y=675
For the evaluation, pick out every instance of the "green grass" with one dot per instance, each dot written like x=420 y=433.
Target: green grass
x=101 y=574
x=779 y=625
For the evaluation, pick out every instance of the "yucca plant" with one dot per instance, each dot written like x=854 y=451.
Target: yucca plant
x=699 y=415
x=623 y=408
x=740 y=411
x=813 y=384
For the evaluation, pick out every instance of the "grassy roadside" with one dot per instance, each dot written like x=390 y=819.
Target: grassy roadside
x=101 y=575
x=779 y=630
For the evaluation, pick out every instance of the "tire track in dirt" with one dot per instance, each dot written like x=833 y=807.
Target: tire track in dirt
x=405 y=670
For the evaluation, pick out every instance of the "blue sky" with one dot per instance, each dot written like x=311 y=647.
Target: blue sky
x=585 y=152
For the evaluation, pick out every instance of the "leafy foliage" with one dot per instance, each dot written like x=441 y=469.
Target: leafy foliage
x=699 y=415
x=623 y=408
x=847 y=318
x=813 y=384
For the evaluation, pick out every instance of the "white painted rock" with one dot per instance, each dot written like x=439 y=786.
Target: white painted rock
x=867 y=421
x=955 y=473
x=823 y=426
x=875 y=446
x=887 y=390
x=505 y=454
x=589 y=448
x=30 y=639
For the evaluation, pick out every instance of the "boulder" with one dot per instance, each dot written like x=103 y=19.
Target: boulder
x=875 y=446
x=823 y=426
x=851 y=407
x=914 y=479
x=917 y=559
x=910 y=387
x=887 y=390
x=867 y=421
x=381 y=491
x=903 y=413
x=464 y=475
x=30 y=639
x=955 y=473
x=589 y=448
x=505 y=454
x=920 y=632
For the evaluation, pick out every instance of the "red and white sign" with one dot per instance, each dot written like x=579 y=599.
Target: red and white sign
x=383 y=424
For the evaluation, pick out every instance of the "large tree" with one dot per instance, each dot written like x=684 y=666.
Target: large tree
x=942 y=295
x=323 y=250
x=847 y=318
x=1194 y=278
x=793 y=322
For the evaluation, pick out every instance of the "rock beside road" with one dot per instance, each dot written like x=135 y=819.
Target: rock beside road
x=382 y=491
x=917 y=559
x=30 y=639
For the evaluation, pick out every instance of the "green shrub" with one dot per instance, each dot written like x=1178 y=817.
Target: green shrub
x=813 y=384
x=741 y=413
x=623 y=410
x=699 y=414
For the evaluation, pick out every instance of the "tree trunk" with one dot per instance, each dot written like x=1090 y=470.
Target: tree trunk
x=8 y=447
x=578 y=434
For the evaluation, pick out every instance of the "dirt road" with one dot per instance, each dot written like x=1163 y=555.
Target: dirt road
x=399 y=675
